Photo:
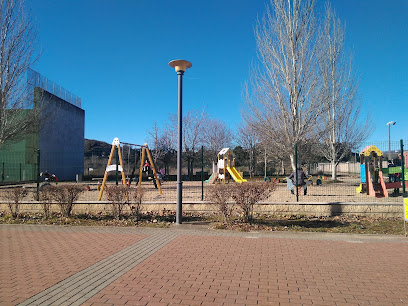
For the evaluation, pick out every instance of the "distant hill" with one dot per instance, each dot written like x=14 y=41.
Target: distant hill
x=97 y=148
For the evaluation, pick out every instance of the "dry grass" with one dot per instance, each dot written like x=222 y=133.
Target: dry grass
x=351 y=225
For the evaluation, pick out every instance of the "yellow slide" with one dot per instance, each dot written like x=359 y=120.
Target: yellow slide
x=235 y=175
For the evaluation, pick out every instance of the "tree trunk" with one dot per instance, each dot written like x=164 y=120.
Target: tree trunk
x=265 y=166
x=333 y=161
x=251 y=163
x=334 y=170
x=191 y=169
x=283 y=167
x=292 y=161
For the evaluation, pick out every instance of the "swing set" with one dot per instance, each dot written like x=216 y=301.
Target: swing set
x=120 y=168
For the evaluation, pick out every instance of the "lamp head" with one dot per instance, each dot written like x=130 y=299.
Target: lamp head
x=391 y=123
x=180 y=65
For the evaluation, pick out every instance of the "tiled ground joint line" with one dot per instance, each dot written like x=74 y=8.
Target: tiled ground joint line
x=81 y=286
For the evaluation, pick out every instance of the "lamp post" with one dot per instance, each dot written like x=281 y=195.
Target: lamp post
x=389 y=137
x=180 y=66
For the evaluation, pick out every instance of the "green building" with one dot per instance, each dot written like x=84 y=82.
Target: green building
x=57 y=146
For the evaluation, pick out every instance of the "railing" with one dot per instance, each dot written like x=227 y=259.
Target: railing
x=37 y=80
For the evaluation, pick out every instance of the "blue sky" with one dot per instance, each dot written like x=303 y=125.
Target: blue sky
x=115 y=54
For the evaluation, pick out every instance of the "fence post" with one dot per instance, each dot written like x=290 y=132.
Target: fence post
x=117 y=162
x=38 y=174
x=2 y=173
x=296 y=173
x=202 y=173
x=402 y=167
x=20 y=174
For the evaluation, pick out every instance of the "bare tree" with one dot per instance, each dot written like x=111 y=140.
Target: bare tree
x=341 y=124
x=193 y=135
x=18 y=114
x=216 y=136
x=248 y=140
x=281 y=98
x=161 y=142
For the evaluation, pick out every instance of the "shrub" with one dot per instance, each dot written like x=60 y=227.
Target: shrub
x=136 y=206
x=14 y=198
x=65 y=196
x=118 y=196
x=246 y=195
x=45 y=200
x=219 y=196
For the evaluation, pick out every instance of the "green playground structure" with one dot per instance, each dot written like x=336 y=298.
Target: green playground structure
x=396 y=170
x=372 y=173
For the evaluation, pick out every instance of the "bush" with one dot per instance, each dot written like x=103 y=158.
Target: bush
x=118 y=196
x=219 y=197
x=136 y=206
x=14 y=198
x=65 y=196
x=45 y=200
x=246 y=195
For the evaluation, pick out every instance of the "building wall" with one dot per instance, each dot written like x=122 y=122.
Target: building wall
x=61 y=138
x=18 y=160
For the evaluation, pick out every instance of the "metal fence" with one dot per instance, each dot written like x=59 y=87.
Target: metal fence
x=23 y=167
x=348 y=183
x=18 y=167
x=37 y=80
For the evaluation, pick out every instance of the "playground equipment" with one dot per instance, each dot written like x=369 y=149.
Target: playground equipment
x=146 y=151
x=317 y=179
x=372 y=173
x=114 y=167
x=225 y=168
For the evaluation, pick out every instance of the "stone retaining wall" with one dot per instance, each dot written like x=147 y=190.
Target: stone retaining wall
x=308 y=209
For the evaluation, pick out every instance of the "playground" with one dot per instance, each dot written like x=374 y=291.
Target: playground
x=343 y=191
x=326 y=199
x=357 y=192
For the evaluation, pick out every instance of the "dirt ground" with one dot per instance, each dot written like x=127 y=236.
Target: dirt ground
x=343 y=191
x=332 y=192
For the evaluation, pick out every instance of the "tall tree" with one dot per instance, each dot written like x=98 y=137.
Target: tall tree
x=342 y=126
x=18 y=114
x=281 y=96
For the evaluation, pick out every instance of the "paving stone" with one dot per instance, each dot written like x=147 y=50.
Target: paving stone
x=188 y=266
x=83 y=285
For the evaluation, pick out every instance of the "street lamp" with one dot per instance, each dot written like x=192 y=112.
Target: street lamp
x=180 y=66
x=389 y=137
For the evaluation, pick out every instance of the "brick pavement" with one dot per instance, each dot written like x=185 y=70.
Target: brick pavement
x=227 y=270
x=201 y=267
x=33 y=259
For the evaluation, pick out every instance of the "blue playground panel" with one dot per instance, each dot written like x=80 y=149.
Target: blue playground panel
x=362 y=174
